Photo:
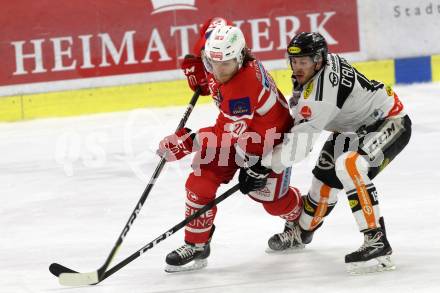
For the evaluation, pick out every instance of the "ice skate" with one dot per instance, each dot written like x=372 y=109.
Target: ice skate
x=373 y=256
x=188 y=257
x=288 y=240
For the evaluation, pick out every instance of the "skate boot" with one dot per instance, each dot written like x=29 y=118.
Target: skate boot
x=290 y=239
x=373 y=256
x=188 y=257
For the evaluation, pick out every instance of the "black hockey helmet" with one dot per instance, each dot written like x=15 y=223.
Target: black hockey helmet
x=308 y=44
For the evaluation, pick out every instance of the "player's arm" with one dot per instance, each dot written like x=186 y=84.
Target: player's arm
x=310 y=120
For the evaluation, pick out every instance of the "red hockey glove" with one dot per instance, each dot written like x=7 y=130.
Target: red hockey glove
x=195 y=74
x=175 y=146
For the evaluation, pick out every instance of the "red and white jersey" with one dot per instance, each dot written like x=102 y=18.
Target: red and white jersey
x=251 y=109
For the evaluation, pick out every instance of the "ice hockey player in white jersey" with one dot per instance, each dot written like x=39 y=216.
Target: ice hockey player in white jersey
x=369 y=128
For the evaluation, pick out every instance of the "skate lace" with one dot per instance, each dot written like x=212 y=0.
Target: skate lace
x=185 y=251
x=292 y=237
x=372 y=242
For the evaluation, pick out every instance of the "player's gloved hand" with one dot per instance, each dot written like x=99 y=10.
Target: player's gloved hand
x=195 y=74
x=175 y=146
x=253 y=178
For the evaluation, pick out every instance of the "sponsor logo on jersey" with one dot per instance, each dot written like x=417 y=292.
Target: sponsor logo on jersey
x=294 y=50
x=308 y=90
x=192 y=196
x=367 y=210
x=326 y=161
x=306 y=112
x=390 y=91
x=353 y=203
x=377 y=114
x=334 y=79
x=308 y=207
x=333 y=62
x=382 y=138
x=239 y=107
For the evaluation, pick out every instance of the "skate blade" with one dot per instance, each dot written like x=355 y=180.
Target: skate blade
x=289 y=250
x=191 y=266
x=379 y=264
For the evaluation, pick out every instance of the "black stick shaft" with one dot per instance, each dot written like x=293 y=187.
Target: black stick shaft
x=169 y=232
x=147 y=190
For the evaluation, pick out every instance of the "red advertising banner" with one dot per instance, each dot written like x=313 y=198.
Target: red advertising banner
x=51 y=40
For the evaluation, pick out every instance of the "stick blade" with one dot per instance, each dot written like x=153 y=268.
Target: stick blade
x=57 y=269
x=78 y=279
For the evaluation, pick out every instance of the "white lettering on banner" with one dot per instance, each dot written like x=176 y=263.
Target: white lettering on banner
x=286 y=36
x=257 y=34
x=319 y=27
x=59 y=53
x=107 y=44
x=156 y=45
x=184 y=40
x=87 y=59
x=123 y=53
x=37 y=56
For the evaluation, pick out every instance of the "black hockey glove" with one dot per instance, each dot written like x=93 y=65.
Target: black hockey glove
x=253 y=178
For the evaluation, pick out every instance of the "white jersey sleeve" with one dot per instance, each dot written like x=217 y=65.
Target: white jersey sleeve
x=338 y=98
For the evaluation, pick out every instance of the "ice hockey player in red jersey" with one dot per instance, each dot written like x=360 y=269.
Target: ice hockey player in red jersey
x=369 y=129
x=252 y=117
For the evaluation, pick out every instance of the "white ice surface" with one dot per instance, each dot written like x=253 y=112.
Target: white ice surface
x=67 y=187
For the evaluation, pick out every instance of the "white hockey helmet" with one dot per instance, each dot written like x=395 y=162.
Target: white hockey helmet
x=225 y=43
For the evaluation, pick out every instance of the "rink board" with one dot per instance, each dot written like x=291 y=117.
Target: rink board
x=160 y=94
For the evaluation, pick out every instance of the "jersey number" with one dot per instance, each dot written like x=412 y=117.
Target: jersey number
x=366 y=84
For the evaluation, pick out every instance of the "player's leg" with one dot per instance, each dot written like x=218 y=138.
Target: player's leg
x=352 y=170
x=201 y=188
x=322 y=195
x=318 y=203
x=355 y=170
x=280 y=200
x=288 y=208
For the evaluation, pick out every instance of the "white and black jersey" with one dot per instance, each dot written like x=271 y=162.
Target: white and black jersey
x=338 y=98
x=341 y=99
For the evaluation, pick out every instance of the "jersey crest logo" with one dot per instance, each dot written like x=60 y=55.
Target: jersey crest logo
x=308 y=90
x=239 y=107
x=334 y=79
x=326 y=161
x=306 y=112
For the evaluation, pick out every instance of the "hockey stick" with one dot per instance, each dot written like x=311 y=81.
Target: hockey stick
x=57 y=269
x=69 y=277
